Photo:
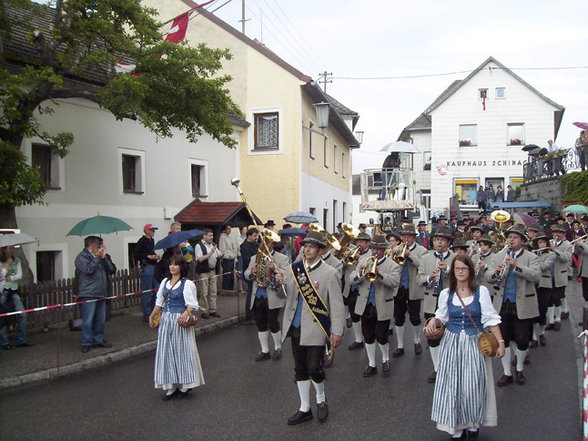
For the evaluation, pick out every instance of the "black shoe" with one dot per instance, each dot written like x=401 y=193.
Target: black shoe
x=205 y=315
x=262 y=356
x=549 y=327
x=432 y=378
x=470 y=435
x=557 y=326
x=24 y=345
x=565 y=315
x=386 y=368
x=328 y=363
x=418 y=348
x=322 y=412
x=7 y=347
x=370 y=371
x=277 y=355
x=391 y=331
x=300 y=417
x=504 y=380
x=398 y=352
x=215 y=314
x=533 y=344
x=542 y=340
x=355 y=345
x=183 y=394
x=102 y=345
x=520 y=377
x=169 y=396
x=85 y=348
x=348 y=322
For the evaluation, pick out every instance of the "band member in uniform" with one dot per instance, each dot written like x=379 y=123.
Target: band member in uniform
x=481 y=261
x=544 y=289
x=350 y=293
x=514 y=273
x=477 y=232
x=434 y=276
x=314 y=313
x=532 y=231
x=459 y=246
x=563 y=252
x=377 y=284
x=410 y=294
x=581 y=250
x=267 y=298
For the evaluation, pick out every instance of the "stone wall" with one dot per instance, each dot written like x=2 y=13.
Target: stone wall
x=546 y=190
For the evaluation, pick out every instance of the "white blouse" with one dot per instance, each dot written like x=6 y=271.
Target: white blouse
x=489 y=315
x=190 y=297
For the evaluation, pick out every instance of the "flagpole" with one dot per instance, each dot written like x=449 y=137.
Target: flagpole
x=188 y=11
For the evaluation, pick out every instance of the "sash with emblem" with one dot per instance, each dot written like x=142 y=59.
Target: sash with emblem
x=311 y=297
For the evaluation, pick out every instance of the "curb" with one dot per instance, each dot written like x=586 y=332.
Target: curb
x=102 y=360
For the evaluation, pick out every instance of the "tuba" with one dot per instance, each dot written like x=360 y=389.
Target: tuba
x=349 y=235
x=500 y=217
x=331 y=240
x=262 y=259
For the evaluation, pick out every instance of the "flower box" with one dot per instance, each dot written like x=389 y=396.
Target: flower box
x=516 y=141
x=465 y=142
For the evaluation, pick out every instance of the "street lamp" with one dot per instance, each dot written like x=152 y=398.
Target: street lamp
x=359 y=136
x=322 y=117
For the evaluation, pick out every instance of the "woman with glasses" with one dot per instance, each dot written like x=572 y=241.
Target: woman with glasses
x=464 y=397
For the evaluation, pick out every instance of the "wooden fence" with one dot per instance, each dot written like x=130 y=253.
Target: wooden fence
x=62 y=291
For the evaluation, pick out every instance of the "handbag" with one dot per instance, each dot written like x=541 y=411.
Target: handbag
x=487 y=342
x=192 y=320
x=437 y=335
x=155 y=317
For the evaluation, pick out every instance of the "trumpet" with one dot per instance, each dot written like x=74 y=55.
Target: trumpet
x=370 y=269
x=504 y=270
x=350 y=258
x=400 y=254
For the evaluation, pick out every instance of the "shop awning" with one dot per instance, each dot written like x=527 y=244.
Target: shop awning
x=213 y=214
x=535 y=204
x=466 y=181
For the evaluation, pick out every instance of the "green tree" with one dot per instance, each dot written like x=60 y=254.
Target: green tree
x=70 y=48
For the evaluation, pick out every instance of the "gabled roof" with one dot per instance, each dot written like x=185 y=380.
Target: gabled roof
x=252 y=43
x=215 y=213
x=343 y=110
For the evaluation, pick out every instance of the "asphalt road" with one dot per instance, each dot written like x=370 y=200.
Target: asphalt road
x=252 y=401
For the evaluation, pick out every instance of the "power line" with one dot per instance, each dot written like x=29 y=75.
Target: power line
x=402 y=77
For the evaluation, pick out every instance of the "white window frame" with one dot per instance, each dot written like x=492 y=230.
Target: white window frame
x=57 y=164
x=61 y=262
x=343 y=166
x=474 y=142
x=251 y=131
x=503 y=97
x=480 y=93
x=326 y=152
x=132 y=152
x=335 y=150
x=203 y=177
x=311 y=142
x=508 y=136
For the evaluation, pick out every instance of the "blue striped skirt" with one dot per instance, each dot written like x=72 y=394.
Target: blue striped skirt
x=464 y=393
x=176 y=359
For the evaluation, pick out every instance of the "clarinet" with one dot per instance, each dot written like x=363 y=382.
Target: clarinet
x=504 y=270
x=436 y=284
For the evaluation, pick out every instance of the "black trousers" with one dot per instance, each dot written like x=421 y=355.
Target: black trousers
x=514 y=328
x=543 y=297
x=372 y=328
x=402 y=304
x=265 y=318
x=351 y=301
x=249 y=288
x=557 y=293
x=432 y=343
x=228 y=265
x=585 y=288
x=308 y=360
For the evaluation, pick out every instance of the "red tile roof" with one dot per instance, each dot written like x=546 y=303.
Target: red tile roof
x=209 y=213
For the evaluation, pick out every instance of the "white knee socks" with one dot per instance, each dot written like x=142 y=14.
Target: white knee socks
x=564 y=305
x=371 y=353
x=520 y=358
x=262 y=336
x=557 y=313
x=304 y=392
x=277 y=336
x=550 y=312
x=384 y=349
x=416 y=329
x=357 y=332
x=400 y=336
x=506 y=361
x=435 y=356
x=320 y=391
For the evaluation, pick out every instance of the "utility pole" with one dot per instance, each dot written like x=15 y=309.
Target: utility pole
x=243 y=19
x=325 y=78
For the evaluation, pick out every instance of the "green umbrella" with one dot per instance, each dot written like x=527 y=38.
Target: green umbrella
x=99 y=225
x=582 y=209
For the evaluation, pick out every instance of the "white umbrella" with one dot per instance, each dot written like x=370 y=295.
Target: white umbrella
x=16 y=239
x=400 y=146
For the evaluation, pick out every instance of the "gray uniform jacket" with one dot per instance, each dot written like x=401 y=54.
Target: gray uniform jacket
x=427 y=266
x=335 y=263
x=329 y=288
x=527 y=273
x=274 y=300
x=385 y=287
x=481 y=279
x=348 y=271
x=563 y=260
x=546 y=261
x=582 y=251
x=415 y=290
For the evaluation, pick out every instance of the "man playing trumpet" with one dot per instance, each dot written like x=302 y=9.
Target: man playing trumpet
x=377 y=278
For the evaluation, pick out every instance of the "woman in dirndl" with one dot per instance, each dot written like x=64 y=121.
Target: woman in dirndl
x=464 y=397
x=177 y=364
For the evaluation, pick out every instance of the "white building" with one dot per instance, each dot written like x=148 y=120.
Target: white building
x=473 y=133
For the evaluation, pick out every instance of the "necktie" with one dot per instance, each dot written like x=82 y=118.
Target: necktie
x=425 y=241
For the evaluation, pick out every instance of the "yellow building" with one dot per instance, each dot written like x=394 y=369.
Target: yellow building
x=286 y=162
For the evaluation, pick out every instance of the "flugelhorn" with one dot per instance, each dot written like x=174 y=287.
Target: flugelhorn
x=350 y=258
x=370 y=269
x=400 y=255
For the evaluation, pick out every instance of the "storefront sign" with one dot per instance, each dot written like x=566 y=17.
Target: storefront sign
x=493 y=163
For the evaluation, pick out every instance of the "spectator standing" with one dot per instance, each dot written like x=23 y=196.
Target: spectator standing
x=227 y=245
x=249 y=249
x=423 y=238
x=10 y=300
x=481 y=199
x=509 y=194
x=490 y=197
x=242 y=237
x=147 y=258
x=499 y=194
x=552 y=147
x=207 y=255
x=93 y=269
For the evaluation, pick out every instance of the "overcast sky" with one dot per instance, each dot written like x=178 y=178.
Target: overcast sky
x=402 y=38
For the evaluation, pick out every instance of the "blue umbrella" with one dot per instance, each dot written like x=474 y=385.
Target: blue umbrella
x=175 y=239
x=293 y=232
x=301 y=217
x=582 y=209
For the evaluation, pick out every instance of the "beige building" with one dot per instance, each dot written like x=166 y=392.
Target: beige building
x=284 y=165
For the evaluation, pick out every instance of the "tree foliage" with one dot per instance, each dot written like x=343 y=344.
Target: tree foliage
x=72 y=46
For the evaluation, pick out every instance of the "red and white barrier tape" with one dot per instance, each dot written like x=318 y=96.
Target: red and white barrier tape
x=66 y=305
x=585 y=387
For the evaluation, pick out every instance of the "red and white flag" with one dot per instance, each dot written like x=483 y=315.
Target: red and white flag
x=179 y=27
x=121 y=67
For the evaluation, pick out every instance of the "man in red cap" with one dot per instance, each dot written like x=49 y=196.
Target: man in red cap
x=147 y=258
